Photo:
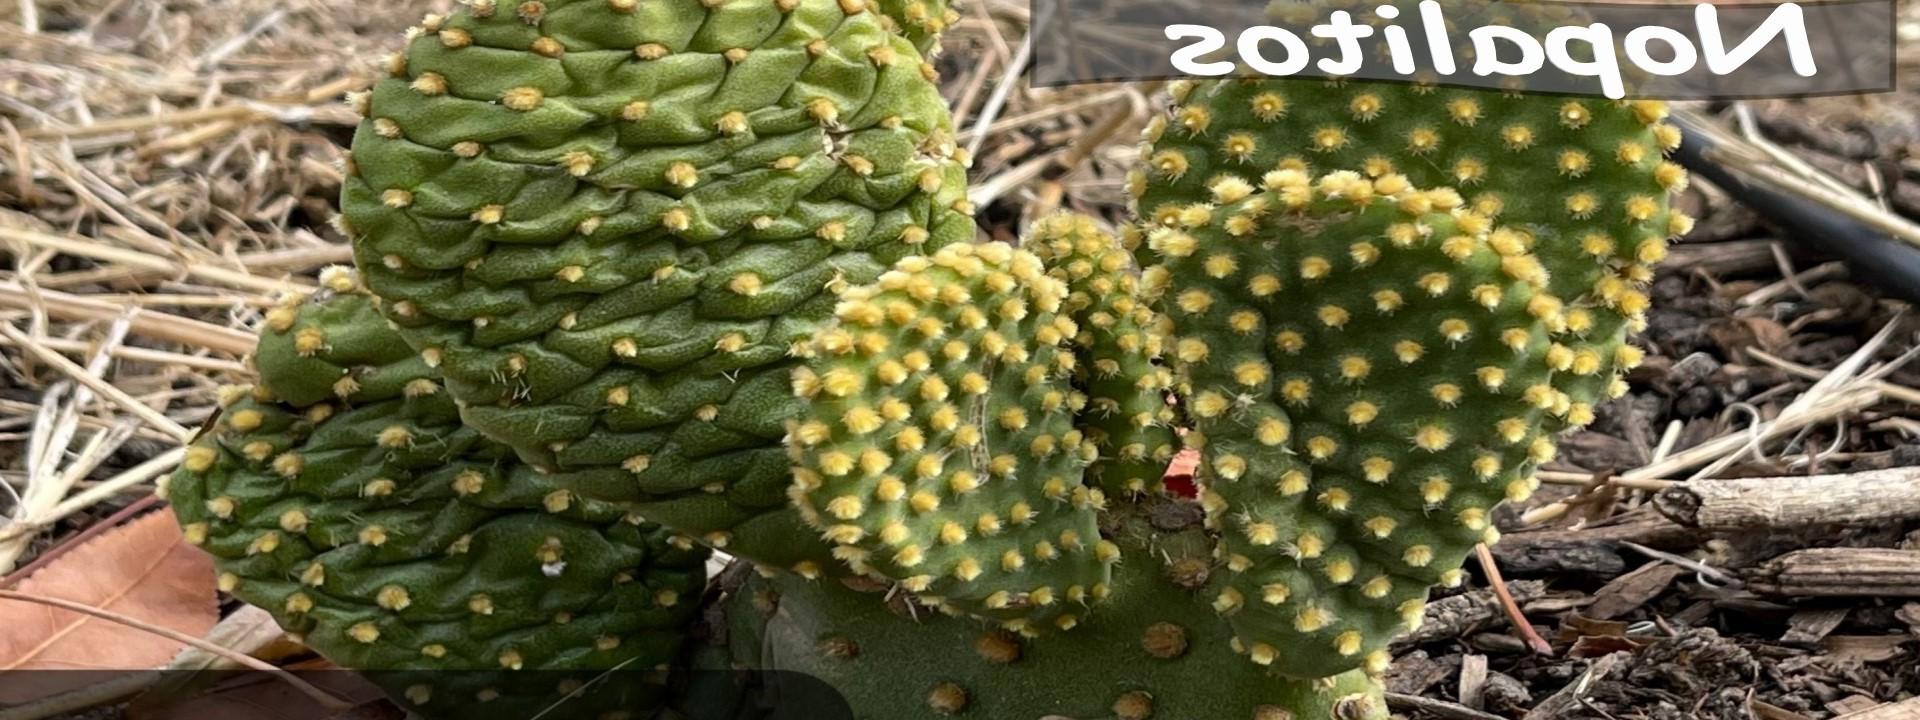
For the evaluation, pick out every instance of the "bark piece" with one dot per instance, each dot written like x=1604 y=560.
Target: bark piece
x=1454 y=616
x=1840 y=572
x=1589 y=551
x=1437 y=708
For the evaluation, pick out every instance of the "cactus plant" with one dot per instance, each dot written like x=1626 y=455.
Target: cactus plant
x=607 y=223
x=707 y=264
x=343 y=495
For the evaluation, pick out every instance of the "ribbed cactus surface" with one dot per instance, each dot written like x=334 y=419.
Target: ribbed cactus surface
x=392 y=539
x=608 y=223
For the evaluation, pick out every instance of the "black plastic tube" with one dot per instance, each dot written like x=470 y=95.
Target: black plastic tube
x=1873 y=256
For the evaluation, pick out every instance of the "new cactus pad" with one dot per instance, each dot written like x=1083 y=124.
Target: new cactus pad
x=1120 y=343
x=608 y=223
x=1370 y=366
x=939 y=446
x=392 y=539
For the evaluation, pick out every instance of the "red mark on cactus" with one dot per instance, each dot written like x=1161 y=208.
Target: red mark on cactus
x=1179 y=477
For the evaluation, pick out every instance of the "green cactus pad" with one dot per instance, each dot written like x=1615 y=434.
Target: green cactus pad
x=607 y=222
x=1367 y=366
x=1585 y=179
x=392 y=539
x=339 y=350
x=938 y=448
x=1119 y=344
x=1153 y=650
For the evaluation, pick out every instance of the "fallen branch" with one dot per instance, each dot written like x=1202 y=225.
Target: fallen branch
x=1854 y=499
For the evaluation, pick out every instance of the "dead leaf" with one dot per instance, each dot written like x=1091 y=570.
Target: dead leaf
x=249 y=631
x=248 y=695
x=143 y=570
x=1576 y=626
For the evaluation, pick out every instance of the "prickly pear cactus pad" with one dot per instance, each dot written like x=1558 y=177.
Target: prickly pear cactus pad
x=1119 y=344
x=1585 y=180
x=377 y=528
x=939 y=448
x=608 y=222
x=1153 y=651
x=1368 y=369
x=1373 y=367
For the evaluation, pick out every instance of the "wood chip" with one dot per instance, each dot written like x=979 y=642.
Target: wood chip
x=1807 y=627
x=1632 y=590
x=1903 y=710
x=1866 y=648
x=1473 y=681
x=1563 y=703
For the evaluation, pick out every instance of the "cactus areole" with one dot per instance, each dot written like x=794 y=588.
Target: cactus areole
x=639 y=278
